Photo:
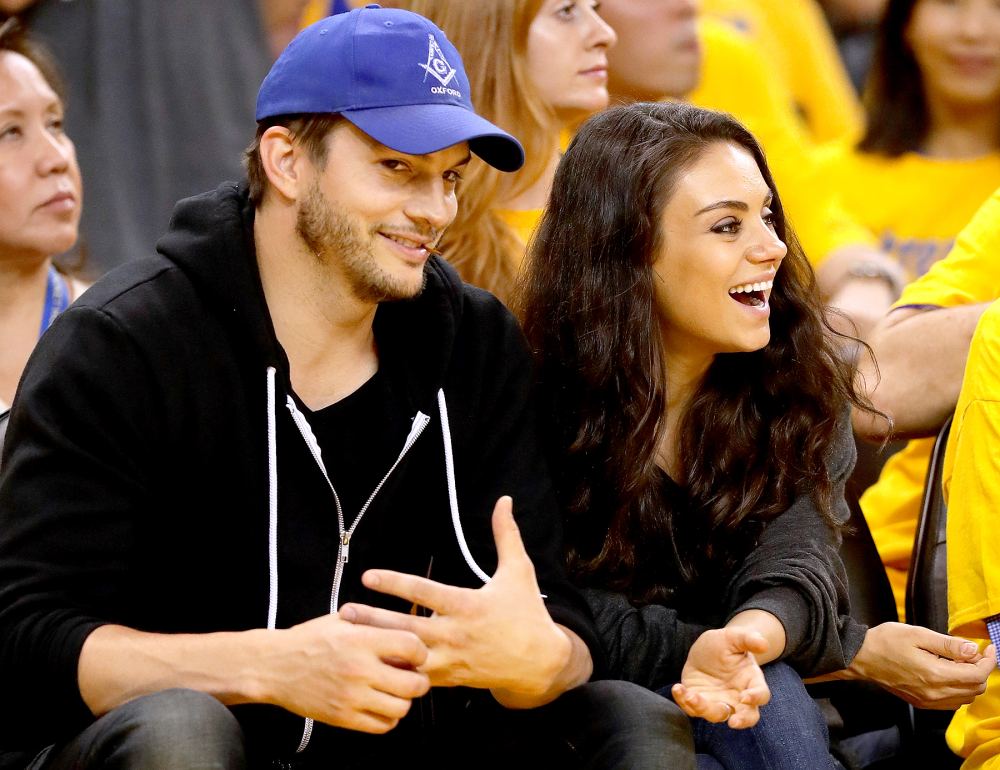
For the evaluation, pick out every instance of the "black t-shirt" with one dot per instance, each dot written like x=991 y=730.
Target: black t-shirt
x=361 y=437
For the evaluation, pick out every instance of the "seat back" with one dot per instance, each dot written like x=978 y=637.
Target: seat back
x=863 y=707
x=927 y=600
x=4 y=417
x=927 y=583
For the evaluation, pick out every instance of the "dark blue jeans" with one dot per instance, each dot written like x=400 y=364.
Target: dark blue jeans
x=599 y=726
x=791 y=733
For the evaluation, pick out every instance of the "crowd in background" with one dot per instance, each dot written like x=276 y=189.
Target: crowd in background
x=880 y=121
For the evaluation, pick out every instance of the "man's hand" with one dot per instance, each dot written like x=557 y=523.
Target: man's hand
x=357 y=677
x=721 y=681
x=925 y=668
x=497 y=637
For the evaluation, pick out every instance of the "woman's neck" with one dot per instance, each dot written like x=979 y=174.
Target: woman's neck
x=535 y=196
x=684 y=375
x=960 y=133
x=22 y=283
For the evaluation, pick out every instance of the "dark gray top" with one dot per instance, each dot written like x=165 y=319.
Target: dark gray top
x=795 y=573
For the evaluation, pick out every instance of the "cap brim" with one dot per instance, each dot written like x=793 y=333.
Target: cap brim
x=420 y=129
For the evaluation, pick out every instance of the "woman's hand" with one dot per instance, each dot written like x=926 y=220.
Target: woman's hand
x=721 y=680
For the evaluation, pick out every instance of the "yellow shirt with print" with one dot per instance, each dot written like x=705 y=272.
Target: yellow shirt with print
x=971 y=480
x=796 y=40
x=735 y=78
x=969 y=275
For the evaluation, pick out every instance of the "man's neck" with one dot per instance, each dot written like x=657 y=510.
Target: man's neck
x=325 y=330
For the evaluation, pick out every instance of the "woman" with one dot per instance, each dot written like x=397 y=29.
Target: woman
x=539 y=69
x=40 y=198
x=698 y=416
x=929 y=158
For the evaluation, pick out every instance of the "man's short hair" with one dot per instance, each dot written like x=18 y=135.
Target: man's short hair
x=310 y=130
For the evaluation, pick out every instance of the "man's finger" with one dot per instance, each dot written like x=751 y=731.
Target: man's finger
x=377 y=617
x=506 y=535
x=434 y=596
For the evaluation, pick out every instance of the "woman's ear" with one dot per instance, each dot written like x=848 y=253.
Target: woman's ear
x=279 y=156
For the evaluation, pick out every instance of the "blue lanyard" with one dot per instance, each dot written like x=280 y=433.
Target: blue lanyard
x=56 y=299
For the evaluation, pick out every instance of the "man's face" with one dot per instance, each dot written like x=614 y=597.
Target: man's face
x=657 y=53
x=370 y=214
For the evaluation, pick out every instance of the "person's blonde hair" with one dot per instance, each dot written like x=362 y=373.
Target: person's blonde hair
x=492 y=37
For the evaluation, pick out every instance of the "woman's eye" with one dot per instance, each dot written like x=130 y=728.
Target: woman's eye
x=10 y=132
x=770 y=219
x=566 y=11
x=728 y=227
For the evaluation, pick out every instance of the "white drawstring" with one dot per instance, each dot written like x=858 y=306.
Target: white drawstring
x=272 y=543
x=449 y=469
x=272 y=501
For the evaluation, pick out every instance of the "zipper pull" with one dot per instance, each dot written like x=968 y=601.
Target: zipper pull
x=345 y=547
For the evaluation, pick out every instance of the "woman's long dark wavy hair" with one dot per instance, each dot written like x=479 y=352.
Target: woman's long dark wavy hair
x=757 y=431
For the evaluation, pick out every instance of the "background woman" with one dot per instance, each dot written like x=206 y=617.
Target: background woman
x=698 y=415
x=536 y=67
x=929 y=158
x=40 y=198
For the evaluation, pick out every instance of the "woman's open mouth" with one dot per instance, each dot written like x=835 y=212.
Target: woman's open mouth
x=752 y=294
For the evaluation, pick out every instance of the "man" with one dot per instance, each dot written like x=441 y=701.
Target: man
x=658 y=56
x=230 y=465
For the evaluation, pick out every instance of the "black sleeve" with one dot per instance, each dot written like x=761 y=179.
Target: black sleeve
x=796 y=574
x=71 y=484
x=507 y=459
x=646 y=645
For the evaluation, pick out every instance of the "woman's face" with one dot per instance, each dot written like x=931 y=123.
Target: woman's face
x=567 y=57
x=957 y=47
x=40 y=193
x=718 y=257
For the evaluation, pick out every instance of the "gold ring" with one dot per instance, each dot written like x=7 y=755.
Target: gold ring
x=732 y=710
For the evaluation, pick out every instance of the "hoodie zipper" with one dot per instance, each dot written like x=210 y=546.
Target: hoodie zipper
x=420 y=422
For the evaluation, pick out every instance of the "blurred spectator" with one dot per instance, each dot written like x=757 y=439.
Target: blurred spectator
x=40 y=200
x=796 y=40
x=161 y=94
x=853 y=23
x=929 y=158
x=541 y=69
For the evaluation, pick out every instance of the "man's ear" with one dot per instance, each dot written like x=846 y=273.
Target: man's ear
x=280 y=157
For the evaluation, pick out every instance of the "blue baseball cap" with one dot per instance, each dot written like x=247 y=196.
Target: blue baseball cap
x=394 y=75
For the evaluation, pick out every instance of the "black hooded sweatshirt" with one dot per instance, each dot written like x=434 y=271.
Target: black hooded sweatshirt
x=158 y=472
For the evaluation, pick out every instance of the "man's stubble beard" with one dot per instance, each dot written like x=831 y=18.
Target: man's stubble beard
x=335 y=241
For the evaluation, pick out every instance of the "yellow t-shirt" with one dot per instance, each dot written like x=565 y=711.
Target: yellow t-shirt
x=970 y=274
x=971 y=481
x=737 y=79
x=915 y=205
x=796 y=40
x=523 y=222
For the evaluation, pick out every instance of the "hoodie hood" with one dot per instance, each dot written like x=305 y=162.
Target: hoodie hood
x=211 y=239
